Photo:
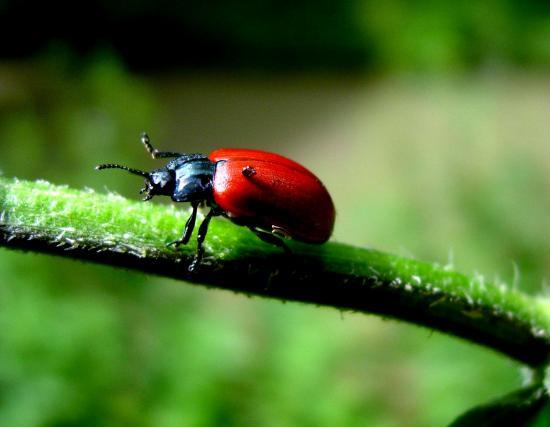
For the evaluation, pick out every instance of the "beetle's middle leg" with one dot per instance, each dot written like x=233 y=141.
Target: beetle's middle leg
x=201 y=235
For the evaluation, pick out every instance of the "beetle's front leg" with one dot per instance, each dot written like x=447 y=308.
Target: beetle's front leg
x=189 y=226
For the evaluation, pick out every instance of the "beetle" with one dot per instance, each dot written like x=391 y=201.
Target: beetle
x=273 y=196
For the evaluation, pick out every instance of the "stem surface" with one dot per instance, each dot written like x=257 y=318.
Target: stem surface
x=110 y=229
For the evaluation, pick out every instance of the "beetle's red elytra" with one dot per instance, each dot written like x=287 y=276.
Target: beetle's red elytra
x=281 y=196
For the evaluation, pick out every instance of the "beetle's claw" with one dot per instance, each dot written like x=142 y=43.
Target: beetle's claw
x=147 y=190
x=193 y=266
x=196 y=261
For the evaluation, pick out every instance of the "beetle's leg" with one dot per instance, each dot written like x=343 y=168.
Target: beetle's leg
x=271 y=239
x=201 y=235
x=156 y=154
x=189 y=226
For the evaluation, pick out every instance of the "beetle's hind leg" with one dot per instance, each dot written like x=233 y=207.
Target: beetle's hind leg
x=272 y=239
x=156 y=154
x=189 y=226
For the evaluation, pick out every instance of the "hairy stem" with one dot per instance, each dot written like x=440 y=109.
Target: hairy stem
x=112 y=230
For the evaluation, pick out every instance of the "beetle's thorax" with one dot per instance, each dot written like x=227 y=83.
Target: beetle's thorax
x=193 y=177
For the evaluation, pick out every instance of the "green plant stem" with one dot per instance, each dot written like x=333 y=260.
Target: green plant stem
x=112 y=230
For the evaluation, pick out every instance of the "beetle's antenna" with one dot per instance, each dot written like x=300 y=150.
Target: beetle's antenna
x=156 y=154
x=126 y=168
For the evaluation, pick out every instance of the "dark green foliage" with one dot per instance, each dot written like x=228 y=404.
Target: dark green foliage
x=525 y=408
x=394 y=35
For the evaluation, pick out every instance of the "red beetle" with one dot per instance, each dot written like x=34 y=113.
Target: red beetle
x=273 y=196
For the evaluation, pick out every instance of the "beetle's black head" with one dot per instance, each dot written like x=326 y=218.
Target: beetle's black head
x=159 y=182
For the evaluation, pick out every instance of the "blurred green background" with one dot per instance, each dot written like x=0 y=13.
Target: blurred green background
x=429 y=124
